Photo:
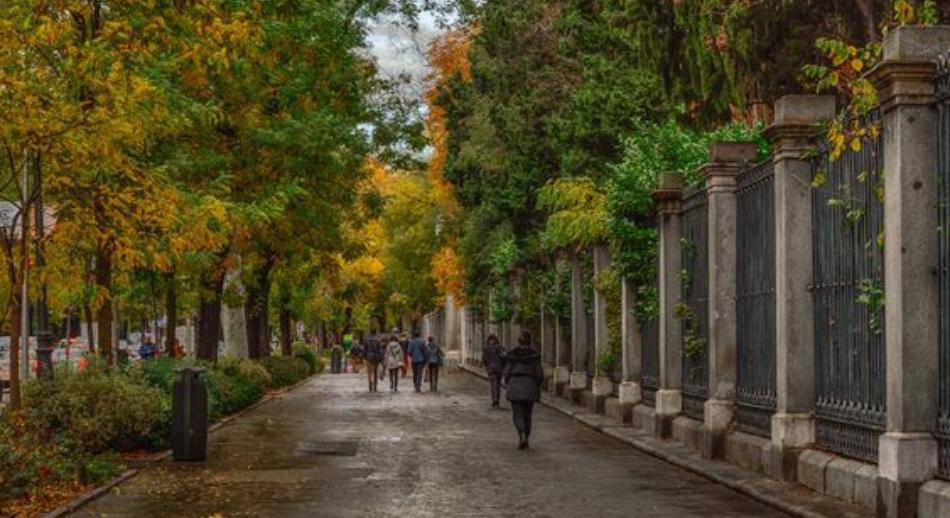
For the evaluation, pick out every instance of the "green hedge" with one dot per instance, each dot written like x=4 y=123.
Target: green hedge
x=285 y=370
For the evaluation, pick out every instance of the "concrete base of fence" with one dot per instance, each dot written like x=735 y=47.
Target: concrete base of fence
x=934 y=500
x=688 y=432
x=905 y=462
x=560 y=377
x=717 y=417
x=747 y=451
x=852 y=481
x=644 y=418
x=630 y=392
x=791 y=434
x=601 y=388
x=617 y=410
x=669 y=403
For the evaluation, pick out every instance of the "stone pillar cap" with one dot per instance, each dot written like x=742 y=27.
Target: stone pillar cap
x=671 y=180
x=726 y=152
x=916 y=43
x=803 y=110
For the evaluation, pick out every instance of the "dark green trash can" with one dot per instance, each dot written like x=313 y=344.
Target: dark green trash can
x=190 y=416
x=336 y=360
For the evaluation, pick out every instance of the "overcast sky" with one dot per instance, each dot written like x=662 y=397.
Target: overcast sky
x=402 y=51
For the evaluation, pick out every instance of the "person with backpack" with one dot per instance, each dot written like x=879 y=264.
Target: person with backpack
x=523 y=376
x=357 y=354
x=494 y=357
x=393 y=363
x=436 y=358
x=374 y=356
x=418 y=355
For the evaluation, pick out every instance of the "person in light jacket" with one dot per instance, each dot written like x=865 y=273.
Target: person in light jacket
x=393 y=363
x=493 y=358
x=523 y=375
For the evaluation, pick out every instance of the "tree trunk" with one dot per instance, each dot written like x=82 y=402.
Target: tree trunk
x=255 y=313
x=171 y=313
x=87 y=314
x=867 y=9
x=15 y=351
x=285 y=329
x=104 y=312
x=209 y=320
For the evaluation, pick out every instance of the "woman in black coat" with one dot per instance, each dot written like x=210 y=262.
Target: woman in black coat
x=523 y=375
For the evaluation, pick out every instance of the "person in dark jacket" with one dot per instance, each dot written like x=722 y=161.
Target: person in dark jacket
x=493 y=358
x=435 y=356
x=374 y=356
x=419 y=357
x=523 y=375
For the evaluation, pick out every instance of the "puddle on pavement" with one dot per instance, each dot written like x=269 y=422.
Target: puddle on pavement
x=328 y=448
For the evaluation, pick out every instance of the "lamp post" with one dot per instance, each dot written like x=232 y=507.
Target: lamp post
x=44 y=338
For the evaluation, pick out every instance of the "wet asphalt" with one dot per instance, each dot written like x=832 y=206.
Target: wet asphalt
x=331 y=449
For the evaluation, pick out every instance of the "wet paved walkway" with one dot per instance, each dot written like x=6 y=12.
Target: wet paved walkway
x=330 y=449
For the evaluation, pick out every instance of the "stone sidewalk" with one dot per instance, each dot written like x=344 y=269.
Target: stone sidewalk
x=330 y=449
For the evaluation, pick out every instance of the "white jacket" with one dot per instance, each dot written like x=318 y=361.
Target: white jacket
x=393 y=355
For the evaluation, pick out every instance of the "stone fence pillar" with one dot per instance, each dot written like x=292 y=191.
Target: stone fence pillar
x=602 y=385
x=906 y=86
x=797 y=122
x=727 y=159
x=579 y=343
x=630 y=392
x=669 y=397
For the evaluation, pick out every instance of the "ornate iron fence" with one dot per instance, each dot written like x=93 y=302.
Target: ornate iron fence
x=650 y=377
x=943 y=182
x=848 y=223
x=755 y=301
x=694 y=310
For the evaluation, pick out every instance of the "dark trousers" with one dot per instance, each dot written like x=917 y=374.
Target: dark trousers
x=521 y=412
x=417 y=370
x=372 y=374
x=433 y=377
x=495 y=381
x=394 y=379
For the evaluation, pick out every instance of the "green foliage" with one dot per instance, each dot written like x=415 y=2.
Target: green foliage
x=309 y=356
x=694 y=345
x=98 y=409
x=607 y=284
x=577 y=217
x=30 y=460
x=872 y=296
x=285 y=371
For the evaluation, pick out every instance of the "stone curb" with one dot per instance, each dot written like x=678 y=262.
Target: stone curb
x=766 y=491
x=96 y=493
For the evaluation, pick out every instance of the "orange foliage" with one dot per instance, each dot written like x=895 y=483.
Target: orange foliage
x=447 y=272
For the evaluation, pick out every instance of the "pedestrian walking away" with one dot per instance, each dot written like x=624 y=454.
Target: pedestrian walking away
x=357 y=355
x=418 y=355
x=493 y=358
x=523 y=376
x=374 y=356
x=435 y=355
x=404 y=343
x=393 y=363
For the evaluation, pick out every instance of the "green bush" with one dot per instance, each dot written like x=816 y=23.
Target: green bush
x=28 y=462
x=307 y=354
x=285 y=370
x=99 y=410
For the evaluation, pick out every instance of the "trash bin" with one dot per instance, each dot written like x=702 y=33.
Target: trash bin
x=189 y=416
x=336 y=360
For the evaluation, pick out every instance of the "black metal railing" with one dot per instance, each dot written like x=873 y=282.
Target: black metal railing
x=755 y=299
x=848 y=223
x=650 y=377
x=943 y=207
x=694 y=312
